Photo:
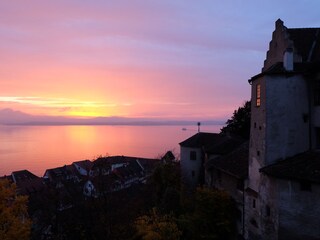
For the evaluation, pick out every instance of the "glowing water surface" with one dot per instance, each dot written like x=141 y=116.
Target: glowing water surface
x=38 y=148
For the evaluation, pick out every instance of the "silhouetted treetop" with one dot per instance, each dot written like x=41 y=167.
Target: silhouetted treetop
x=239 y=123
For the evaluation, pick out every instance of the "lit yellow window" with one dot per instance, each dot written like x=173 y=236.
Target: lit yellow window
x=258 y=92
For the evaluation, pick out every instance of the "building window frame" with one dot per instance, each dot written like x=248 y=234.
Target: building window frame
x=268 y=211
x=258 y=95
x=317 y=133
x=317 y=92
x=193 y=155
x=253 y=203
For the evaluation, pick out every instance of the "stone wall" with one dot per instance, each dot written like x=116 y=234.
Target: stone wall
x=299 y=211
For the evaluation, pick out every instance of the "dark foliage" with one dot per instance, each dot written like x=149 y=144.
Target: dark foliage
x=133 y=213
x=110 y=217
x=213 y=216
x=166 y=184
x=239 y=124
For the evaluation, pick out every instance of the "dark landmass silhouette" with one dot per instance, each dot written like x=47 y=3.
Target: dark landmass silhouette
x=11 y=117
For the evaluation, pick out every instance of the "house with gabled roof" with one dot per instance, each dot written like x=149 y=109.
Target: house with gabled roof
x=105 y=165
x=56 y=176
x=84 y=167
x=192 y=157
x=115 y=173
x=198 y=149
x=99 y=185
x=130 y=174
x=27 y=183
x=283 y=190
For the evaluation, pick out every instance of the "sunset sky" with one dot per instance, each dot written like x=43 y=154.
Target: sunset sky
x=151 y=59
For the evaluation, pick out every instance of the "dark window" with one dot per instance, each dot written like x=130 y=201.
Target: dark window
x=254 y=203
x=317 y=92
x=193 y=155
x=268 y=211
x=258 y=153
x=255 y=125
x=318 y=138
x=305 y=186
x=193 y=173
x=258 y=94
x=254 y=222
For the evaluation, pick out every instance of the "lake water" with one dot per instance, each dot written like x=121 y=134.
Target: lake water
x=37 y=148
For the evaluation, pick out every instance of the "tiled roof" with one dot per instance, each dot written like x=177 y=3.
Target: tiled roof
x=235 y=163
x=22 y=175
x=133 y=169
x=27 y=182
x=201 y=139
x=106 y=162
x=61 y=172
x=299 y=68
x=225 y=144
x=85 y=164
x=305 y=166
x=307 y=42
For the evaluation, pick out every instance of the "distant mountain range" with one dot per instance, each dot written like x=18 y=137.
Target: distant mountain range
x=12 y=117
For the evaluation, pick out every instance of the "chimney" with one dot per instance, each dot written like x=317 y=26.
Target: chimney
x=288 y=59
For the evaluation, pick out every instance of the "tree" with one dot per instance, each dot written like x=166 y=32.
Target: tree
x=14 y=221
x=239 y=124
x=213 y=216
x=166 y=186
x=157 y=227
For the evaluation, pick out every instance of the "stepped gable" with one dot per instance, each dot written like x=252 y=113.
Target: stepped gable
x=303 y=167
x=305 y=43
x=201 y=139
x=234 y=163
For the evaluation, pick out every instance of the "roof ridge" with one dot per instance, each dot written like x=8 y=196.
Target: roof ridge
x=303 y=28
